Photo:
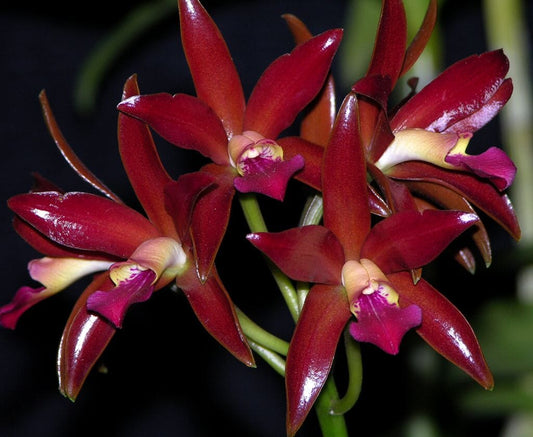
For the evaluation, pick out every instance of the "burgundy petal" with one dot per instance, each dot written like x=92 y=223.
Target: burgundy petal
x=409 y=239
x=289 y=84
x=312 y=350
x=460 y=91
x=420 y=40
x=481 y=194
x=444 y=328
x=215 y=78
x=308 y=253
x=72 y=159
x=391 y=40
x=211 y=216
x=83 y=341
x=24 y=298
x=215 y=311
x=49 y=247
x=487 y=112
x=344 y=183
x=183 y=120
x=84 y=221
x=143 y=165
x=181 y=197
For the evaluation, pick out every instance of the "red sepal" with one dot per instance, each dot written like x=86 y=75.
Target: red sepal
x=308 y=253
x=444 y=328
x=142 y=164
x=289 y=84
x=312 y=349
x=84 y=221
x=214 y=74
x=215 y=311
x=182 y=120
x=84 y=339
x=410 y=239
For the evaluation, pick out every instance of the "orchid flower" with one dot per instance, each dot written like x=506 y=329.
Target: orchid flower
x=239 y=138
x=359 y=271
x=82 y=233
x=422 y=142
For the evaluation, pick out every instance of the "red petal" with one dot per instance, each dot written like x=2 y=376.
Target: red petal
x=142 y=164
x=319 y=118
x=289 y=84
x=487 y=112
x=344 y=184
x=50 y=248
x=311 y=173
x=181 y=197
x=215 y=311
x=210 y=217
x=182 y=120
x=421 y=38
x=481 y=194
x=309 y=253
x=391 y=40
x=69 y=155
x=443 y=197
x=312 y=350
x=83 y=341
x=215 y=78
x=460 y=91
x=444 y=328
x=409 y=239
x=84 y=221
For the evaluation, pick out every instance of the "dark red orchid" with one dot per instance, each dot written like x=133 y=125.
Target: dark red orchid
x=81 y=233
x=239 y=138
x=358 y=270
x=422 y=142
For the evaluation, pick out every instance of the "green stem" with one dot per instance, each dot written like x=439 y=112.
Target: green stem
x=355 y=379
x=332 y=425
x=260 y=336
x=256 y=223
x=107 y=51
x=272 y=358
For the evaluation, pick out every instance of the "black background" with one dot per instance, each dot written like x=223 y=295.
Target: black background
x=166 y=376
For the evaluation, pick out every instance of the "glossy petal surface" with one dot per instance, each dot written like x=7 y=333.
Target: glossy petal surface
x=457 y=93
x=312 y=349
x=142 y=164
x=289 y=84
x=444 y=328
x=214 y=309
x=84 y=221
x=346 y=204
x=409 y=239
x=308 y=253
x=211 y=65
x=183 y=120
x=84 y=339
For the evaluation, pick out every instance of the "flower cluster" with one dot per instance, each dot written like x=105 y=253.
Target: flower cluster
x=393 y=181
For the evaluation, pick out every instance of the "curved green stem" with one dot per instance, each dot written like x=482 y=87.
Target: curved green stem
x=272 y=358
x=260 y=336
x=332 y=425
x=355 y=379
x=100 y=60
x=256 y=223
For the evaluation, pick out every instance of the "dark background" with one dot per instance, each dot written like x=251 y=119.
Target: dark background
x=166 y=376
